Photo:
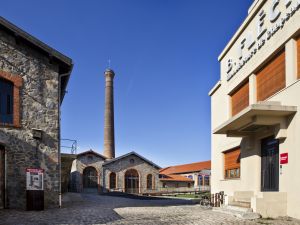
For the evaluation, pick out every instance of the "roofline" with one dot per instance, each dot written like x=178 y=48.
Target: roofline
x=169 y=180
x=189 y=171
x=215 y=88
x=65 y=63
x=254 y=8
x=91 y=151
x=131 y=153
x=18 y=32
x=188 y=164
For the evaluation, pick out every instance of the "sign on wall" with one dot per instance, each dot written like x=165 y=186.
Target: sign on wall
x=34 y=179
x=269 y=21
x=284 y=158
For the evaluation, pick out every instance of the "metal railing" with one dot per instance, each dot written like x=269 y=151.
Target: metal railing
x=161 y=190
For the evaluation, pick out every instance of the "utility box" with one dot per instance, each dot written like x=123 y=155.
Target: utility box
x=35 y=189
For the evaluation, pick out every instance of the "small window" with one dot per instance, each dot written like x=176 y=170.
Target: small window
x=6 y=102
x=189 y=185
x=206 y=181
x=176 y=185
x=90 y=157
x=112 y=180
x=131 y=161
x=149 y=181
x=164 y=185
x=200 y=180
x=232 y=163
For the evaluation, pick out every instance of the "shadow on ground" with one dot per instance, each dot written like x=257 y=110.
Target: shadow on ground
x=84 y=208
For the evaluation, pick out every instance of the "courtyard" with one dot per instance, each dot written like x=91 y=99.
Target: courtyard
x=104 y=209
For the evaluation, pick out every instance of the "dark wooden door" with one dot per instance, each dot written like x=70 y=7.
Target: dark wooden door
x=270 y=164
x=90 y=178
x=2 y=179
x=132 y=182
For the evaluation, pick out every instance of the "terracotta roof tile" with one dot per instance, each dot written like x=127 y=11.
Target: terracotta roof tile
x=186 y=168
x=175 y=178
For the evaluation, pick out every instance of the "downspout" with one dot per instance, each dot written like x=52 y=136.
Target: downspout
x=59 y=137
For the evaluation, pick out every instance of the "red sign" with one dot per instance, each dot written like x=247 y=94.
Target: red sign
x=284 y=158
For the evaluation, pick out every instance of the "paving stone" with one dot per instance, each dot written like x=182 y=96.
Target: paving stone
x=99 y=209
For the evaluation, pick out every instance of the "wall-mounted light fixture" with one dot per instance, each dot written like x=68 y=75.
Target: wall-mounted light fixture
x=37 y=134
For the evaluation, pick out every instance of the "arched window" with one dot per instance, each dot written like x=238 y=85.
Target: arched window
x=6 y=101
x=112 y=180
x=200 y=180
x=149 y=181
x=206 y=181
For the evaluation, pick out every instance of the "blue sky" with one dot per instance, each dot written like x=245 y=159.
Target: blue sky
x=164 y=54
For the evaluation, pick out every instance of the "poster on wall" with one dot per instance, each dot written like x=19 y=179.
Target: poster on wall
x=34 y=179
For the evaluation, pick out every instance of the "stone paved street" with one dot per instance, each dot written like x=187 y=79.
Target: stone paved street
x=95 y=209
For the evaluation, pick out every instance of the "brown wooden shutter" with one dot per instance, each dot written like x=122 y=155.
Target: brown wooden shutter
x=271 y=78
x=298 y=57
x=240 y=99
x=232 y=158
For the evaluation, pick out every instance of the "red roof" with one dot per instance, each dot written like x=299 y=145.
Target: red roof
x=187 y=168
x=175 y=178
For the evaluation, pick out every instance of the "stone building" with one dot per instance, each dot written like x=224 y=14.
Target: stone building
x=33 y=79
x=255 y=118
x=93 y=172
x=197 y=174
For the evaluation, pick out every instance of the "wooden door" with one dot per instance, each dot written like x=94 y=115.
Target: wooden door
x=270 y=164
x=90 y=178
x=2 y=177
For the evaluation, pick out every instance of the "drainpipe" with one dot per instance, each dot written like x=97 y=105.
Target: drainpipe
x=59 y=151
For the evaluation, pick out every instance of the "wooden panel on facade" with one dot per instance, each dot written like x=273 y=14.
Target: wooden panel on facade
x=240 y=99
x=232 y=158
x=298 y=57
x=271 y=78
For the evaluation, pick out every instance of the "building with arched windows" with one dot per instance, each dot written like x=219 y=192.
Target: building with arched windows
x=130 y=173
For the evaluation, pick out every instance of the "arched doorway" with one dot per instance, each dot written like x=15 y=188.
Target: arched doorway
x=112 y=180
x=132 y=181
x=90 y=178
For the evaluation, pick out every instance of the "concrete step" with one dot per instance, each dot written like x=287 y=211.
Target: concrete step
x=243 y=204
x=238 y=208
x=237 y=213
x=241 y=199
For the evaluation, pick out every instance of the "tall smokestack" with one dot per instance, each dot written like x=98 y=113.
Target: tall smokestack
x=109 y=133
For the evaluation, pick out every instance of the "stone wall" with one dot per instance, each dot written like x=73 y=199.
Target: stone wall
x=39 y=108
x=66 y=165
x=130 y=162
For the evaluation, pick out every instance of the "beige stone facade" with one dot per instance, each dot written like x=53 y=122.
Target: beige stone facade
x=272 y=28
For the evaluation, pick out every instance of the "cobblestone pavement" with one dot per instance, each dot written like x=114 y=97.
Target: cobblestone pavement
x=96 y=209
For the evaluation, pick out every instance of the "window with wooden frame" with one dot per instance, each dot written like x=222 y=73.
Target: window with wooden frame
x=10 y=85
x=298 y=57
x=271 y=78
x=240 y=99
x=232 y=165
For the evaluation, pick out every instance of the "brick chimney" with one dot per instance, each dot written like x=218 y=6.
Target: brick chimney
x=109 y=133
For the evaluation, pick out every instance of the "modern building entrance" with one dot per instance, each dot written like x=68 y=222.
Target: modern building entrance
x=269 y=164
x=132 y=181
x=2 y=177
x=90 y=178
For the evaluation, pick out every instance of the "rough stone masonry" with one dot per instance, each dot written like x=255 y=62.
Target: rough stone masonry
x=36 y=71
